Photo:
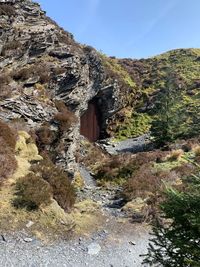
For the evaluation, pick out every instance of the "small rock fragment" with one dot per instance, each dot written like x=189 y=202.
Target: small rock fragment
x=29 y=224
x=3 y=238
x=132 y=243
x=94 y=249
x=28 y=239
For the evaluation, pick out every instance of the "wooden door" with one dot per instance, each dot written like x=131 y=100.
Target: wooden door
x=90 y=123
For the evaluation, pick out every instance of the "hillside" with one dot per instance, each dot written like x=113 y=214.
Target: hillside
x=63 y=107
x=150 y=76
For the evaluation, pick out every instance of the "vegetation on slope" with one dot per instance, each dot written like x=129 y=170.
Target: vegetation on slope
x=143 y=177
x=176 y=238
x=151 y=77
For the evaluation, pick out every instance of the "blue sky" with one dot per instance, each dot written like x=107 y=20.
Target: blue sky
x=129 y=28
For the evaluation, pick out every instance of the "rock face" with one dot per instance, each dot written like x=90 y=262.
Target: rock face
x=41 y=63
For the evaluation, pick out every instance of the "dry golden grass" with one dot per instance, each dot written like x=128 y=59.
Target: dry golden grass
x=175 y=155
x=49 y=221
x=88 y=217
x=78 y=181
x=196 y=150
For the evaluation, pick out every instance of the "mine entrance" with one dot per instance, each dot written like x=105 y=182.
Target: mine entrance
x=90 y=122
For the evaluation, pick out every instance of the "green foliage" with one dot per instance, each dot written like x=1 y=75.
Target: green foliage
x=176 y=242
x=137 y=125
x=170 y=119
x=116 y=72
x=113 y=65
x=151 y=77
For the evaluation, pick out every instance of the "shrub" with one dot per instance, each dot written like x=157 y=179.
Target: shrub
x=45 y=136
x=62 y=188
x=5 y=79
x=185 y=169
x=143 y=183
x=58 y=70
x=65 y=117
x=5 y=89
x=6 y=9
x=40 y=70
x=66 y=37
x=8 y=162
x=8 y=135
x=115 y=168
x=12 y=45
x=176 y=242
x=124 y=165
x=32 y=192
x=91 y=155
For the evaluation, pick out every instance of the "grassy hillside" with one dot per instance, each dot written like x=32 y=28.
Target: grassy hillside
x=149 y=77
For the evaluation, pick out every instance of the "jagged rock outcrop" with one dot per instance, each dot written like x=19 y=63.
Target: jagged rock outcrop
x=39 y=63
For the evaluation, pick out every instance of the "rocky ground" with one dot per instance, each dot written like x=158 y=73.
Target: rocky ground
x=118 y=245
x=132 y=145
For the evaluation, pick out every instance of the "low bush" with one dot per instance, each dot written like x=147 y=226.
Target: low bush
x=8 y=139
x=185 y=169
x=124 y=166
x=8 y=135
x=91 y=155
x=5 y=79
x=32 y=192
x=62 y=188
x=12 y=45
x=45 y=136
x=5 y=89
x=143 y=183
x=8 y=163
x=25 y=73
x=66 y=37
x=6 y=9
x=64 y=117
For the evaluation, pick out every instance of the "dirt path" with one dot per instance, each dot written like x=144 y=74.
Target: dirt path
x=119 y=245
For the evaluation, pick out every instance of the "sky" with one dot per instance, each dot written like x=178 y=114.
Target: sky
x=129 y=28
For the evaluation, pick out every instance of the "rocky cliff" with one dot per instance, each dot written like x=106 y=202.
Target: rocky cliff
x=41 y=63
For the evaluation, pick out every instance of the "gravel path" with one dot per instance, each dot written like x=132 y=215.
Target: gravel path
x=104 y=249
x=133 y=145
